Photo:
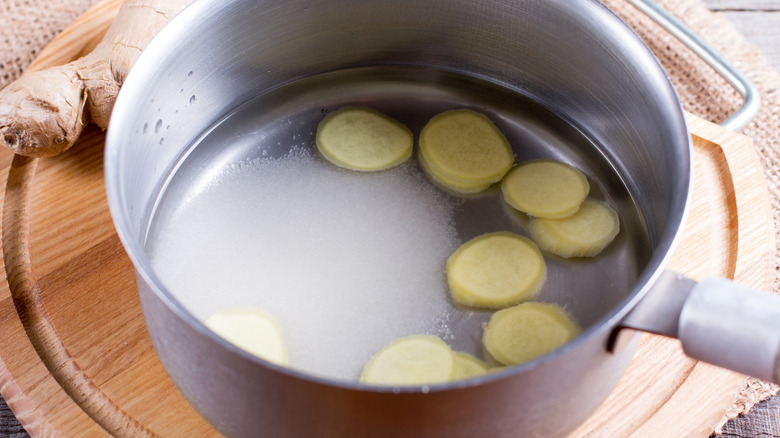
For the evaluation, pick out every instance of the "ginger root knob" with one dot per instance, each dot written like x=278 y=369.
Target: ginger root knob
x=41 y=113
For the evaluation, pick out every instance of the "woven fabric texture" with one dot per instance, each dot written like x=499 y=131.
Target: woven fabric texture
x=26 y=26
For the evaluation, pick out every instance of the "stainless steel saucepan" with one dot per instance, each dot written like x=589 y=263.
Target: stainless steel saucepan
x=231 y=80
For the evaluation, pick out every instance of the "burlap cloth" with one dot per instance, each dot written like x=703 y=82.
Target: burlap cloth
x=26 y=26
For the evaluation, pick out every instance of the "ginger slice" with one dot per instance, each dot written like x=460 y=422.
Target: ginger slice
x=463 y=148
x=360 y=138
x=545 y=188
x=528 y=330
x=412 y=360
x=253 y=330
x=584 y=234
x=495 y=270
x=467 y=366
x=453 y=184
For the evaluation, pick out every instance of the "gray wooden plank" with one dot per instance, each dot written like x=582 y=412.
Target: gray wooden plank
x=763 y=420
x=743 y=5
x=761 y=29
x=757 y=20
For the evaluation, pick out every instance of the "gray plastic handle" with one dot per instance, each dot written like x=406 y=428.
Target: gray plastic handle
x=732 y=326
x=717 y=321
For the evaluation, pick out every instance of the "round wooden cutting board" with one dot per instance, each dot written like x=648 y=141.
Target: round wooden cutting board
x=76 y=360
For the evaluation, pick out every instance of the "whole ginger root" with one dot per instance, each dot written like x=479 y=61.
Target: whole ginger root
x=43 y=113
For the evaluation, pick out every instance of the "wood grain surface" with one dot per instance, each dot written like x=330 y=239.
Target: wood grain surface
x=77 y=360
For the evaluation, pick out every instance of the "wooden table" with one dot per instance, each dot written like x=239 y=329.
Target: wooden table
x=757 y=20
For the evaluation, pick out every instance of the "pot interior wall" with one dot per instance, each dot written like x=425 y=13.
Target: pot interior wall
x=571 y=56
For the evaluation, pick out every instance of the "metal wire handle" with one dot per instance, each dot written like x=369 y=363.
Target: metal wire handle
x=751 y=100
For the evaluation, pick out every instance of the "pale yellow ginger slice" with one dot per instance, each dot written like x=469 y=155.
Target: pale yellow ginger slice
x=584 y=234
x=467 y=366
x=463 y=148
x=251 y=329
x=453 y=184
x=545 y=188
x=409 y=361
x=528 y=330
x=495 y=270
x=363 y=139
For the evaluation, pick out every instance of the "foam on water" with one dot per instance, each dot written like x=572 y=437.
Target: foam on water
x=345 y=261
